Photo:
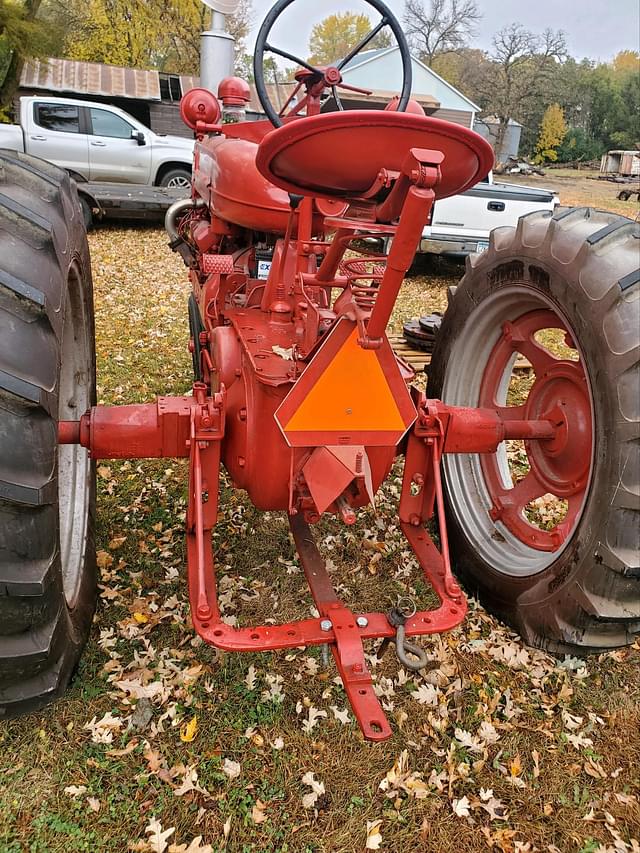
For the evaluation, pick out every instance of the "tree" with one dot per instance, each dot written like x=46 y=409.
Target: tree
x=553 y=130
x=462 y=69
x=627 y=62
x=518 y=78
x=186 y=19
x=334 y=37
x=578 y=146
x=145 y=33
x=444 y=27
x=116 y=32
x=22 y=35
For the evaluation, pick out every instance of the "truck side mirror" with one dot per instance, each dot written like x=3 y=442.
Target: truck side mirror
x=139 y=136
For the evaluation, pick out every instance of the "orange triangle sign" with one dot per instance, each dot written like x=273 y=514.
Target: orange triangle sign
x=347 y=395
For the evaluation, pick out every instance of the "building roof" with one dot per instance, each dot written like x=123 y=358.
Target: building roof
x=372 y=55
x=90 y=78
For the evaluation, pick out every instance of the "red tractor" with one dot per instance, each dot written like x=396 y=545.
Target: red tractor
x=299 y=395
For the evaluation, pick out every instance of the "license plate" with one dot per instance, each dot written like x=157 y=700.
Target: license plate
x=482 y=246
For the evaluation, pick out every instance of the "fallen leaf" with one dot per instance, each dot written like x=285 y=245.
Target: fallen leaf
x=313 y=716
x=341 y=716
x=196 y=846
x=536 y=763
x=461 y=807
x=158 y=836
x=374 y=835
x=75 y=790
x=515 y=766
x=104 y=559
x=257 y=813
x=117 y=753
x=426 y=694
x=250 y=679
x=94 y=804
x=231 y=768
x=317 y=789
x=188 y=730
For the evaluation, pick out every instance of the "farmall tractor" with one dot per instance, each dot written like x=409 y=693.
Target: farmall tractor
x=299 y=395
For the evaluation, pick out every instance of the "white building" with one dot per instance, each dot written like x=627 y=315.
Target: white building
x=381 y=71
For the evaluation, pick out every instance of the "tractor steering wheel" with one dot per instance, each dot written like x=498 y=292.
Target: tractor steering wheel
x=328 y=77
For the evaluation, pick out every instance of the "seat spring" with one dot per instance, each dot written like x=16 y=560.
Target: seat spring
x=359 y=270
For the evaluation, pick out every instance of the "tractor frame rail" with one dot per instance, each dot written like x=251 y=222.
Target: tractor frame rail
x=193 y=427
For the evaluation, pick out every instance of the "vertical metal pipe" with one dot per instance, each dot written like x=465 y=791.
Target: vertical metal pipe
x=217 y=54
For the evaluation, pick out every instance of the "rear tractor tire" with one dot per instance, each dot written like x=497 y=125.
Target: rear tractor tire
x=47 y=493
x=547 y=534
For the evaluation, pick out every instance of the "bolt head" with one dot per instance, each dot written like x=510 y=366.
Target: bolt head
x=326 y=625
x=362 y=621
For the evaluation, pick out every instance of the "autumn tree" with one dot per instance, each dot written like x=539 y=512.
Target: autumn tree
x=23 y=34
x=463 y=69
x=626 y=62
x=519 y=74
x=553 y=130
x=162 y=34
x=186 y=20
x=334 y=37
x=441 y=27
x=116 y=32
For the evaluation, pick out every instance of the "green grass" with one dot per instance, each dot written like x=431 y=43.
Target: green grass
x=142 y=633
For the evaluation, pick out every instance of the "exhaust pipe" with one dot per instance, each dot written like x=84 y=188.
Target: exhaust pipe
x=171 y=220
x=217 y=46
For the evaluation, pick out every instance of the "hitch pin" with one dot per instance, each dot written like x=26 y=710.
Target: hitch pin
x=397 y=617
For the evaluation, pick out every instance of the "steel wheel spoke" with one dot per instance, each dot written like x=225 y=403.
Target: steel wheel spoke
x=363 y=43
x=292 y=58
x=539 y=356
x=524 y=491
x=337 y=98
x=357 y=89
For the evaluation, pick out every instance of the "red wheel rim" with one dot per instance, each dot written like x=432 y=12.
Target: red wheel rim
x=560 y=466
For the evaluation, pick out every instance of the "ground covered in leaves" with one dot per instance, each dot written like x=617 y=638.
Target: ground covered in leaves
x=163 y=744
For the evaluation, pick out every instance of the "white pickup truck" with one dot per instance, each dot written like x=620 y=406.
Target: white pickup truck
x=461 y=224
x=98 y=142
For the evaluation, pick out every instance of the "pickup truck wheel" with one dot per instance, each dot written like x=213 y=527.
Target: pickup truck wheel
x=47 y=492
x=547 y=534
x=176 y=179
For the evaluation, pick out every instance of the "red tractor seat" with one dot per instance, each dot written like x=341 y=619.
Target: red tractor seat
x=339 y=155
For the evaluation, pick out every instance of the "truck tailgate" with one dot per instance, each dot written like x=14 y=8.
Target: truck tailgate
x=484 y=207
x=11 y=137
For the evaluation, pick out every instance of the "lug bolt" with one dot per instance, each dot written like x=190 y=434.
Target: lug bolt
x=362 y=621
x=326 y=625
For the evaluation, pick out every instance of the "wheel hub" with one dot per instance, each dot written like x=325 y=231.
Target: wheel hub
x=559 y=466
x=561 y=396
